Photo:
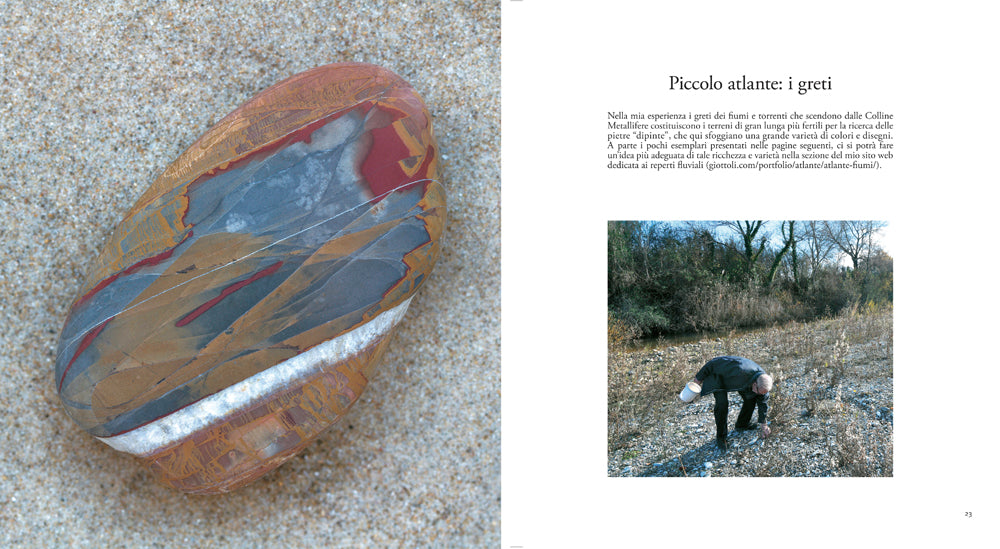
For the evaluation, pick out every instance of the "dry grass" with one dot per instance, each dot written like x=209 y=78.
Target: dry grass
x=620 y=334
x=782 y=401
x=638 y=388
x=721 y=306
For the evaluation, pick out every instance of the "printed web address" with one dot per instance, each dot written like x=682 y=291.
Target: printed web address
x=784 y=164
x=759 y=166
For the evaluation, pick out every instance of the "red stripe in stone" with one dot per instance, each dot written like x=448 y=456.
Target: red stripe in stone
x=226 y=292
x=152 y=260
x=242 y=157
x=425 y=167
x=382 y=170
x=87 y=340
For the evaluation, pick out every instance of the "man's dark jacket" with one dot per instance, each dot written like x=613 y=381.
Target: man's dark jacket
x=733 y=373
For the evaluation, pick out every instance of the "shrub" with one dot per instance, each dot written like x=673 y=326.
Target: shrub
x=781 y=403
x=620 y=333
x=830 y=293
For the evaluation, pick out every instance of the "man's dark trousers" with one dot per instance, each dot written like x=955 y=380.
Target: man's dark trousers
x=722 y=411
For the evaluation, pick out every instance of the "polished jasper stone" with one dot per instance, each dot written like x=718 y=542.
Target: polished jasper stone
x=241 y=305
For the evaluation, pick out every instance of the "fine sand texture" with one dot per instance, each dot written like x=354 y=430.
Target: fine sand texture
x=96 y=99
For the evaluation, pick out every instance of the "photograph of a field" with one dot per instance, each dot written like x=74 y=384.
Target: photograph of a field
x=819 y=322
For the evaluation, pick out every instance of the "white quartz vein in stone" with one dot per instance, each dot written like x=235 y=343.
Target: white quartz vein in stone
x=203 y=413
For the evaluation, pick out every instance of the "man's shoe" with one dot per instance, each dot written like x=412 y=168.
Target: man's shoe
x=720 y=443
x=750 y=427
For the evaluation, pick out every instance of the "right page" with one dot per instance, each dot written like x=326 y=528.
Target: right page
x=748 y=273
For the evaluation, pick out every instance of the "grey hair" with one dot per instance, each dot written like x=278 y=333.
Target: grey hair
x=764 y=382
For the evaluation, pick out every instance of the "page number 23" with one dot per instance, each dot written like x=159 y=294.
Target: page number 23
x=968 y=514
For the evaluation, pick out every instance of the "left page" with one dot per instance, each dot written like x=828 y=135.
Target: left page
x=303 y=285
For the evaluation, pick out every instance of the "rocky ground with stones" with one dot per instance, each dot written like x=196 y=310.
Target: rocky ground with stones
x=830 y=410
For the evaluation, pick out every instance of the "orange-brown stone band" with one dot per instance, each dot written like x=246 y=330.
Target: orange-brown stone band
x=248 y=443
x=420 y=261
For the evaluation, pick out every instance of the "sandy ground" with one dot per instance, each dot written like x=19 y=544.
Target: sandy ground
x=94 y=102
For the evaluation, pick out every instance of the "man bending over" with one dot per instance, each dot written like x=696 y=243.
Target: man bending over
x=734 y=373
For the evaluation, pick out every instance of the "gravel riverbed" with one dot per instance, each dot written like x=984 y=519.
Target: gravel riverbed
x=830 y=411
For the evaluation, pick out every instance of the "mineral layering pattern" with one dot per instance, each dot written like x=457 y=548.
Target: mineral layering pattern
x=242 y=304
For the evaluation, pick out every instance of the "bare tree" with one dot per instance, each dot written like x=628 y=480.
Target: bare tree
x=856 y=239
x=788 y=238
x=819 y=247
x=748 y=231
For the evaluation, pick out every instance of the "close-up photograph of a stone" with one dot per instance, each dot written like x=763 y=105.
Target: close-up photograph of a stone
x=241 y=306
